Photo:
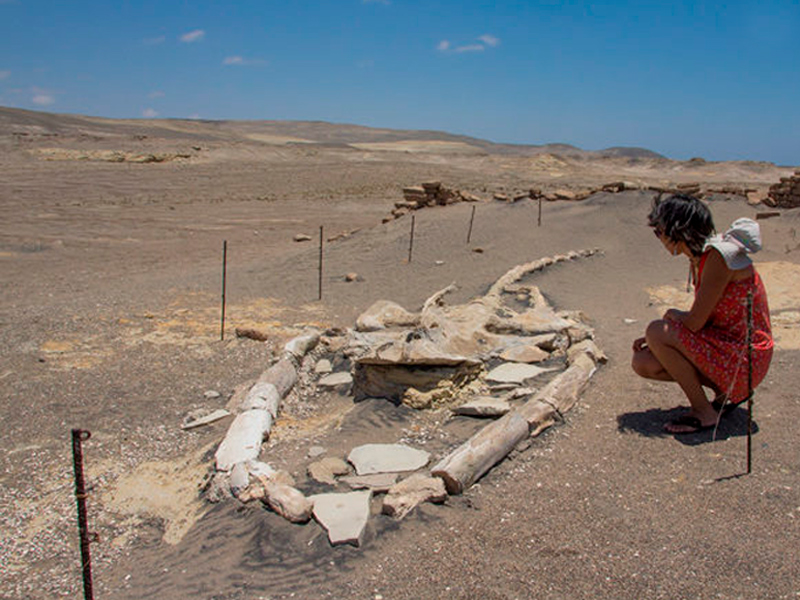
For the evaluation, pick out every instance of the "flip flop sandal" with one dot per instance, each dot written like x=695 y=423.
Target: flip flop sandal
x=723 y=406
x=687 y=421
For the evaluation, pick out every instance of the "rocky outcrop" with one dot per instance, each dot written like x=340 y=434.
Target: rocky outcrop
x=786 y=193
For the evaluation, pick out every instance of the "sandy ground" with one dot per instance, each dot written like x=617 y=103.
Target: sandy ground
x=111 y=239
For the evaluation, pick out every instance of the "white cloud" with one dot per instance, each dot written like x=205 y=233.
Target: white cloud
x=489 y=40
x=194 y=116
x=149 y=113
x=240 y=61
x=155 y=94
x=443 y=46
x=43 y=99
x=154 y=41
x=193 y=36
x=4 y=75
x=471 y=48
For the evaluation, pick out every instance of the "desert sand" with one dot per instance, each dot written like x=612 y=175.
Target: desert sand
x=111 y=236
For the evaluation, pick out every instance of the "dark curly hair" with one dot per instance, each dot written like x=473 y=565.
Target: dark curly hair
x=682 y=218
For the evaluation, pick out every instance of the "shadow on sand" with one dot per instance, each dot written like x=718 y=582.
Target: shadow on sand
x=650 y=423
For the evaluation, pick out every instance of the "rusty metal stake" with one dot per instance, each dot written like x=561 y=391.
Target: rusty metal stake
x=749 y=380
x=78 y=436
x=411 y=242
x=471 y=219
x=320 y=262
x=224 y=269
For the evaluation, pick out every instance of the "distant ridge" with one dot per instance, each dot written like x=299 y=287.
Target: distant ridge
x=21 y=122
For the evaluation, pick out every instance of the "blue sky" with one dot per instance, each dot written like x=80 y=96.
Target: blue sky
x=720 y=80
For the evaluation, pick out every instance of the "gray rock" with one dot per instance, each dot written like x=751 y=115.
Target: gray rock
x=483 y=406
x=514 y=373
x=325 y=470
x=302 y=237
x=316 y=451
x=403 y=497
x=387 y=458
x=323 y=366
x=344 y=516
x=335 y=380
x=377 y=482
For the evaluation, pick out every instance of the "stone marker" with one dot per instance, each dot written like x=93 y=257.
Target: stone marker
x=335 y=380
x=403 y=497
x=387 y=458
x=377 y=482
x=483 y=406
x=514 y=373
x=344 y=516
x=325 y=470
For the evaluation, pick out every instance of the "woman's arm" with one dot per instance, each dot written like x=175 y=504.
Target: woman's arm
x=716 y=276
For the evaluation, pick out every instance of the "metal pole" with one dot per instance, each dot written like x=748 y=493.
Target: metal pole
x=471 y=219
x=411 y=242
x=749 y=380
x=540 y=211
x=78 y=436
x=320 y=262
x=224 y=269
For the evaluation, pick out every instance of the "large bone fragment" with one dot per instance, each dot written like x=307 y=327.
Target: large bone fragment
x=302 y=345
x=481 y=452
x=283 y=375
x=520 y=271
x=243 y=440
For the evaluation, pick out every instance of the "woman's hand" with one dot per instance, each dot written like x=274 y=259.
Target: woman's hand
x=639 y=344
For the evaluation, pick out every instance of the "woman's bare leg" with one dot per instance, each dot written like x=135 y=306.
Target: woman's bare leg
x=667 y=349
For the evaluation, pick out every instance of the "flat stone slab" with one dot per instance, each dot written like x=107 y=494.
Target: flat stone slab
x=344 y=516
x=387 y=458
x=326 y=470
x=218 y=414
x=525 y=354
x=514 y=373
x=483 y=406
x=335 y=380
x=377 y=482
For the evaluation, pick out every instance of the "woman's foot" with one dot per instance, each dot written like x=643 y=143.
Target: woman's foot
x=689 y=423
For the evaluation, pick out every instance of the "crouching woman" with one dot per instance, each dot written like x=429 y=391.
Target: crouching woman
x=707 y=345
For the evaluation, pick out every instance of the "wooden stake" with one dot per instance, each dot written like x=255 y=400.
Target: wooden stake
x=540 y=211
x=471 y=219
x=224 y=269
x=411 y=242
x=320 y=262
x=78 y=436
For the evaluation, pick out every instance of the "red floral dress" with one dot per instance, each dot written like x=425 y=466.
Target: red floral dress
x=719 y=349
